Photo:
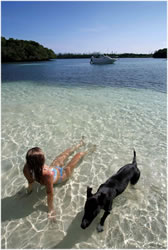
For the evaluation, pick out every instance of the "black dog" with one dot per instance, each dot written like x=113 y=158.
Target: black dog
x=105 y=194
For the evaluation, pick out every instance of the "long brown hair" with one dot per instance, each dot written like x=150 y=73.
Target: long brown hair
x=35 y=161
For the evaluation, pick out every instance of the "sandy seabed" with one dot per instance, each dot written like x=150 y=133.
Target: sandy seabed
x=116 y=120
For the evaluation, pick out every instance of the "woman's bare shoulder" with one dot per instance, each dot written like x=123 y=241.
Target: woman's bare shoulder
x=47 y=176
x=26 y=168
x=27 y=173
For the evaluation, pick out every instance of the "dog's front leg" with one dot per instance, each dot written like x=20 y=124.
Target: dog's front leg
x=100 y=227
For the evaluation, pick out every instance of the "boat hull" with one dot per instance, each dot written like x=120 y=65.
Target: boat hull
x=102 y=60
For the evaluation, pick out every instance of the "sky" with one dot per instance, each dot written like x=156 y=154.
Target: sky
x=87 y=27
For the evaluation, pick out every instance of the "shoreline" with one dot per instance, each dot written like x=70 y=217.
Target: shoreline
x=67 y=58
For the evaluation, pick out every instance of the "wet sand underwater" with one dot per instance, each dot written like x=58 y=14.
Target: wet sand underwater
x=116 y=119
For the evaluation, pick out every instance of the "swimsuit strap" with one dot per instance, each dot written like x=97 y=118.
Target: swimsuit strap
x=61 y=172
x=55 y=169
x=55 y=173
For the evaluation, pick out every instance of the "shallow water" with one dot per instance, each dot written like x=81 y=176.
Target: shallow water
x=117 y=107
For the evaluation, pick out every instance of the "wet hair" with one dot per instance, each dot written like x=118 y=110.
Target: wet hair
x=35 y=160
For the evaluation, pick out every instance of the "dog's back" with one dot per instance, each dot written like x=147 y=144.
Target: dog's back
x=107 y=191
x=120 y=180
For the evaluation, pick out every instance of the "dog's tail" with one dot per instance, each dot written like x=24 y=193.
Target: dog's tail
x=134 y=158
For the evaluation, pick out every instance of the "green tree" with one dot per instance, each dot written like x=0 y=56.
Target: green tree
x=161 y=53
x=14 y=50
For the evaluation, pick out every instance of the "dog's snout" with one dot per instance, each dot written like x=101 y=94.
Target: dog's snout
x=84 y=224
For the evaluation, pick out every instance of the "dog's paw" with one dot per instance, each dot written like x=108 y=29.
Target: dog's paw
x=100 y=228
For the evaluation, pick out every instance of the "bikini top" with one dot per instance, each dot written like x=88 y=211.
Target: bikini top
x=54 y=171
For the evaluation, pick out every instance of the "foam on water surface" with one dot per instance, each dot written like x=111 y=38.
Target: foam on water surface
x=116 y=120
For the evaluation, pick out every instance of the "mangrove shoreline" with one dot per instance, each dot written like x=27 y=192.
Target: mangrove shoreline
x=14 y=50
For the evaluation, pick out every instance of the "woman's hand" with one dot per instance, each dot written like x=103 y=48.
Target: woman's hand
x=30 y=188
x=52 y=215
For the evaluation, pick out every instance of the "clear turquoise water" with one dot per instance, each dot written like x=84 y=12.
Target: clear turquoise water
x=117 y=107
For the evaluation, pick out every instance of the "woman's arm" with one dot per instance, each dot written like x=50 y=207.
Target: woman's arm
x=50 y=202
x=29 y=178
x=50 y=194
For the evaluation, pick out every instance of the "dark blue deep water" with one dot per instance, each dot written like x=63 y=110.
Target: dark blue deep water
x=146 y=73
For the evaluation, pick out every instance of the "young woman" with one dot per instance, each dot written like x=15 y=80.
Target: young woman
x=35 y=169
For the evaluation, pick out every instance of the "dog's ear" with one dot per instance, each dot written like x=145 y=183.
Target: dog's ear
x=89 y=192
x=101 y=197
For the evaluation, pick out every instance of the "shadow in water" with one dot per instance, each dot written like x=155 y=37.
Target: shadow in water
x=75 y=233
x=21 y=204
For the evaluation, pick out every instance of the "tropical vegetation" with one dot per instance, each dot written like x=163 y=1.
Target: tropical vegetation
x=124 y=55
x=14 y=50
x=161 y=53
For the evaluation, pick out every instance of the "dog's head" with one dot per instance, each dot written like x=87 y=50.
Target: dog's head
x=92 y=208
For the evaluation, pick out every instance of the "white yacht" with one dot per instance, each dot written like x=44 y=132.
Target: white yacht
x=102 y=59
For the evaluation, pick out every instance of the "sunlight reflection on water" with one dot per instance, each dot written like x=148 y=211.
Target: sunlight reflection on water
x=116 y=120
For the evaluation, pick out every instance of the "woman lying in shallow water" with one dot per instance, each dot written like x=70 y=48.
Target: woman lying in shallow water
x=35 y=169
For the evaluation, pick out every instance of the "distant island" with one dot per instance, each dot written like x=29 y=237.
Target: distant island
x=125 y=55
x=161 y=53
x=14 y=50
